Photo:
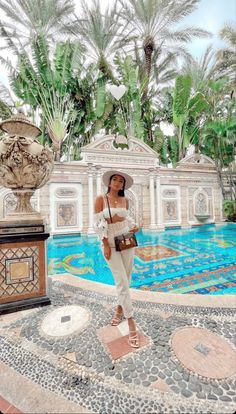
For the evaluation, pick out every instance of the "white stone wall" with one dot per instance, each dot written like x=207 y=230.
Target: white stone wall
x=160 y=197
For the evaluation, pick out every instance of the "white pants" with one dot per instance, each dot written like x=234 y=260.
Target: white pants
x=121 y=264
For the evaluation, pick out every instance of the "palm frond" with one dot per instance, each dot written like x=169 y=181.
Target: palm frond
x=228 y=33
x=6 y=96
x=35 y=16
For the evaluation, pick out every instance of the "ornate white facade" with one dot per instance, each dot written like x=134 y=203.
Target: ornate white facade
x=160 y=197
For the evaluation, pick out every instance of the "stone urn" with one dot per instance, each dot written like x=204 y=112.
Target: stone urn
x=25 y=165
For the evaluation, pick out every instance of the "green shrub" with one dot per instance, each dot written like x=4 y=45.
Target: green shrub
x=229 y=207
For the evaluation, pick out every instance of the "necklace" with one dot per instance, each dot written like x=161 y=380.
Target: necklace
x=113 y=200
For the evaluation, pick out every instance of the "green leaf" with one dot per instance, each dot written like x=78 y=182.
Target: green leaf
x=197 y=104
x=100 y=98
x=180 y=99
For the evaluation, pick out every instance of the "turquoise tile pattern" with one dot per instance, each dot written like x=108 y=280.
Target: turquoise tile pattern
x=200 y=260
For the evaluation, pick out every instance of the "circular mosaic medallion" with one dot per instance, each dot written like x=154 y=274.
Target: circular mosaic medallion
x=204 y=352
x=65 y=320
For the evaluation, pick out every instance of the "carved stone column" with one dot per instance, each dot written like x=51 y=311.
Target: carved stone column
x=184 y=206
x=90 y=199
x=160 y=225
x=98 y=180
x=152 y=201
x=217 y=204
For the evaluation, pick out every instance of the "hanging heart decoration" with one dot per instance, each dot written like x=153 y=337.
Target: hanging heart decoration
x=117 y=91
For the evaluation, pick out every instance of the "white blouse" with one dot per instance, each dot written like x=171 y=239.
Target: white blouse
x=100 y=225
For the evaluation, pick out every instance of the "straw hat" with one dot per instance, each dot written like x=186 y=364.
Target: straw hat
x=21 y=126
x=108 y=174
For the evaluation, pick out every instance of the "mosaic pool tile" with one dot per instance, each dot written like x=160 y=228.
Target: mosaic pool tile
x=157 y=252
x=200 y=260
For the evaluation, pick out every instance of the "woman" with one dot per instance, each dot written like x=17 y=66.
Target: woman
x=120 y=263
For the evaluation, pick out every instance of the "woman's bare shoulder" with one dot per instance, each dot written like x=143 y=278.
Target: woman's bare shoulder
x=99 y=203
x=99 y=197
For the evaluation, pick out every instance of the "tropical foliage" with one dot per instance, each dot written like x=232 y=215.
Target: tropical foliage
x=64 y=64
x=24 y=20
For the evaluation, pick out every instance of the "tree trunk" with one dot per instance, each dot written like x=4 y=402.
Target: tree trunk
x=219 y=172
x=148 y=47
x=104 y=67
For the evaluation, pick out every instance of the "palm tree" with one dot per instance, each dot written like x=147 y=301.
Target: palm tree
x=187 y=113
x=165 y=68
x=226 y=57
x=151 y=22
x=98 y=31
x=45 y=85
x=7 y=103
x=201 y=70
x=219 y=143
x=25 y=19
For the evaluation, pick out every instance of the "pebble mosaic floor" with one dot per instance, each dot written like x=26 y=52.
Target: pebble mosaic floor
x=186 y=362
x=201 y=260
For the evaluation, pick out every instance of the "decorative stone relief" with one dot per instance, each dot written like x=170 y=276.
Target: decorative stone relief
x=169 y=193
x=137 y=148
x=65 y=192
x=191 y=191
x=170 y=210
x=24 y=163
x=170 y=204
x=117 y=159
x=93 y=152
x=106 y=146
x=66 y=209
x=10 y=202
x=121 y=139
x=201 y=204
x=208 y=190
x=66 y=214
x=197 y=159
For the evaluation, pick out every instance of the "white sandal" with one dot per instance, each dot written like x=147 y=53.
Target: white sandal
x=134 y=339
x=118 y=317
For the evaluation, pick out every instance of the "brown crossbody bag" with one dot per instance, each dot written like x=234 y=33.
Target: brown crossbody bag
x=124 y=241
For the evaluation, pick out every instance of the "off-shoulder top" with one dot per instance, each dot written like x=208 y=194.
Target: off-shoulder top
x=101 y=225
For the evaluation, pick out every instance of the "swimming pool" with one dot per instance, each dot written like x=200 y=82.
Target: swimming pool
x=199 y=260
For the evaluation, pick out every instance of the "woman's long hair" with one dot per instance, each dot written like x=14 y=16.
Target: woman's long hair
x=121 y=193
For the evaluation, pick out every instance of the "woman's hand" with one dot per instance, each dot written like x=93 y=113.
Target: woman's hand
x=107 y=251
x=134 y=230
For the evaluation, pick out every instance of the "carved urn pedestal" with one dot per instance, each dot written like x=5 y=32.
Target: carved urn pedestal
x=25 y=165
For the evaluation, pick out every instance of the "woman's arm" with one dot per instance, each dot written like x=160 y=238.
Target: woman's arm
x=100 y=225
x=98 y=204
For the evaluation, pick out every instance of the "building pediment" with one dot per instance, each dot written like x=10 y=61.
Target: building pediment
x=118 y=151
x=198 y=161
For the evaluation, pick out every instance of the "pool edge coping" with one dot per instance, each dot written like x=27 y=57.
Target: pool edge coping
x=212 y=301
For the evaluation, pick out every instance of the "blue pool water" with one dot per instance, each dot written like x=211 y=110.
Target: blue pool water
x=200 y=260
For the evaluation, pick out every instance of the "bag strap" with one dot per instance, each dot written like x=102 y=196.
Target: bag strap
x=109 y=208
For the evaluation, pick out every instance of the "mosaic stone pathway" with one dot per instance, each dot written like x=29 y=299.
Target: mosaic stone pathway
x=186 y=362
